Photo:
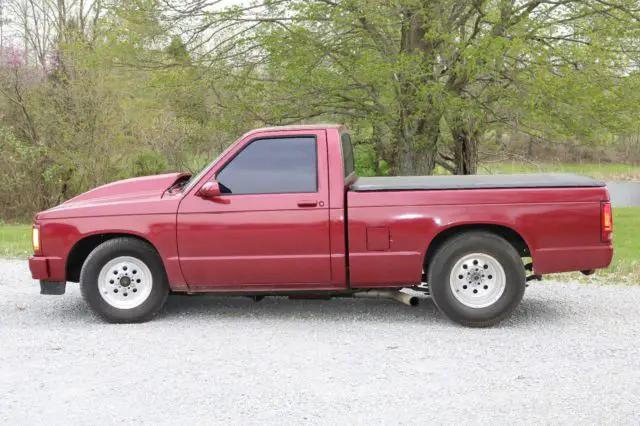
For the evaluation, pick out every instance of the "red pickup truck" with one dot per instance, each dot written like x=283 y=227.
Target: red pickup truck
x=282 y=212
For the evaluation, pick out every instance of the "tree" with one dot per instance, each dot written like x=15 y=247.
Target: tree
x=412 y=68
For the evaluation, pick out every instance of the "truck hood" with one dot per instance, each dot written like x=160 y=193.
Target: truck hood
x=142 y=195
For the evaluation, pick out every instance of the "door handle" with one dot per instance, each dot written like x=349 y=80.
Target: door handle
x=307 y=203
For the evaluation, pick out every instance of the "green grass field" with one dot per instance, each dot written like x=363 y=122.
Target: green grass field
x=607 y=172
x=626 y=243
x=15 y=242
x=596 y=170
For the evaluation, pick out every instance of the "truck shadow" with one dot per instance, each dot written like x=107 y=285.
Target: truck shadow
x=339 y=310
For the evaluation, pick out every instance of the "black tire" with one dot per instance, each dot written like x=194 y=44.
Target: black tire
x=454 y=250
x=112 y=249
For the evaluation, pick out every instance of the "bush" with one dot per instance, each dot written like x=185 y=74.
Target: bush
x=149 y=163
x=21 y=179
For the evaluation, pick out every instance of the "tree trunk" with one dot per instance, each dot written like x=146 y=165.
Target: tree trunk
x=530 y=147
x=416 y=134
x=465 y=153
x=416 y=146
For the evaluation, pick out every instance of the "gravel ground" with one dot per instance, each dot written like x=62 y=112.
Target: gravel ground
x=570 y=355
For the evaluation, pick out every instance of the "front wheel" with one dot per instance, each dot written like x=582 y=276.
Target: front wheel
x=476 y=279
x=123 y=280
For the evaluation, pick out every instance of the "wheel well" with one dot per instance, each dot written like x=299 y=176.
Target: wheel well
x=81 y=250
x=508 y=234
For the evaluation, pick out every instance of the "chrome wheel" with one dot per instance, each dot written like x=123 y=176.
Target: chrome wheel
x=477 y=280
x=125 y=282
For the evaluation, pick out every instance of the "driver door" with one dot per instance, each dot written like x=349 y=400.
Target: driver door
x=269 y=228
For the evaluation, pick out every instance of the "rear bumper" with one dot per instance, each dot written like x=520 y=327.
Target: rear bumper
x=568 y=259
x=47 y=268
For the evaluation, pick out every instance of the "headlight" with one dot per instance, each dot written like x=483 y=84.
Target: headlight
x=35 y=239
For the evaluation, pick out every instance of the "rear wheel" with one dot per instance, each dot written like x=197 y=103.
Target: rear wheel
x=476 y=279
x=123 y=280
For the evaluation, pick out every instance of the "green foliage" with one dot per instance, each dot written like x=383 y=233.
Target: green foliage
x=408 y=69
x=149 y=163
x=151 y=86
x=366 y=160
x=121 y=101
x=26 y=176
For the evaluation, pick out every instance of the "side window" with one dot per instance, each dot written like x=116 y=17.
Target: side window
x=347 y=154
x=272 y=166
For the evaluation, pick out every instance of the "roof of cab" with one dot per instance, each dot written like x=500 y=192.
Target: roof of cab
x=295 y=127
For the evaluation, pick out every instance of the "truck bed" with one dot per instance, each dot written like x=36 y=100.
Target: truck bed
x=412 y=183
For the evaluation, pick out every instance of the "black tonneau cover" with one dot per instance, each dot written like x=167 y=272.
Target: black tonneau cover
x=538 y=180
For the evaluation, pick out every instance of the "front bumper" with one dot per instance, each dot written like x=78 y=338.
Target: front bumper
x=47 y=268
x=50 y=272
x=39 y=267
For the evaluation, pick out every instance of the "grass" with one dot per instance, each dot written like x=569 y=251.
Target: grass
x=626 y=244
x=15 y=241
x=596 y=170
x=604 y=171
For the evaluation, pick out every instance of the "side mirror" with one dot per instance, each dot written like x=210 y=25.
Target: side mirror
x=209 y=190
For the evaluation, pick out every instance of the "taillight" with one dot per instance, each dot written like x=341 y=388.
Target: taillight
x=607 y=221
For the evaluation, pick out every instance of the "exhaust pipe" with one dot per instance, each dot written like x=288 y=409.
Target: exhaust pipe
x=401 y=297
